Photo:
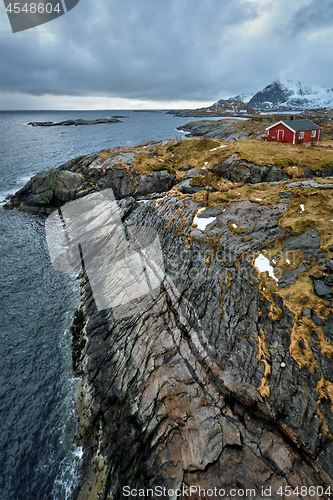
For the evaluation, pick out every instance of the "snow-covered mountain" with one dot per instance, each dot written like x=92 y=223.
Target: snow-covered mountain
x=245 y=98
x=287 y=95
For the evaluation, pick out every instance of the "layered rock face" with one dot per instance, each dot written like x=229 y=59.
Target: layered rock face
x=199 y=385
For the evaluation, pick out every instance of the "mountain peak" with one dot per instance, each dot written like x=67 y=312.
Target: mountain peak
x=284 y=94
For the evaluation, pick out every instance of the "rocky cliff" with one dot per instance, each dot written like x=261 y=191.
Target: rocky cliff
x=221 y=377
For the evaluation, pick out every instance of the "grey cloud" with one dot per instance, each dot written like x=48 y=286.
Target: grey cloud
x=133 y=49
x=315 y=15
x=175 y=49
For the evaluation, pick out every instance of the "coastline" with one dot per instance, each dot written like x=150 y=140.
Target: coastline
x=216 y=365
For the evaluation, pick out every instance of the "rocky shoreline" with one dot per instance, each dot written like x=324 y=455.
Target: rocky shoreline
x=232 y=128
x=221 y=376
x=224 y=130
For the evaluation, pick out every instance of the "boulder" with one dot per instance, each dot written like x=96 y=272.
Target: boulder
x=306 y=312
x=127 y=158
x=309 y=241
x=193 y=172
x=66 y=166
x=242 y=171
x=186 y=188
x=290 y=277
x=186 y=167
x=157 y=182
x=48 y=189
x=321 y=288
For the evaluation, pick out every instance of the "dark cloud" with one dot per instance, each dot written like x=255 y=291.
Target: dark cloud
x=148 y=49
x=316 y=15
x=127 y=48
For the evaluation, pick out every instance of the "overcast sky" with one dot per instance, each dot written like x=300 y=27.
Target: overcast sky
x=124 y=54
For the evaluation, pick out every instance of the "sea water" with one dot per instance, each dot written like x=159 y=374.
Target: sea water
x=38 y=456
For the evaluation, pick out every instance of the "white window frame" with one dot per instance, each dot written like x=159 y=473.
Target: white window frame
x=301 y=135
x=313 y=134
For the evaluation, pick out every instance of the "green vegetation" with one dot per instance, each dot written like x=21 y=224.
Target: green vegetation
x=198 y=181
x=164 y=167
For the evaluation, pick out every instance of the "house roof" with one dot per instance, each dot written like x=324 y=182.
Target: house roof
x=297 y=125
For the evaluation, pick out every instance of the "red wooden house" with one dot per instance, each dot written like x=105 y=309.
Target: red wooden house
x=293 y=131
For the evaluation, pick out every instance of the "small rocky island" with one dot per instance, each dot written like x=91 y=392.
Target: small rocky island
x=79 y=121
x=222 y=376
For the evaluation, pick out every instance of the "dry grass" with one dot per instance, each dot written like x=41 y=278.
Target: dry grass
x=294 y=299
x=263 y=354
x=197 y=153
x=236 y=229
x=241 y=192
x=282 y=155
x=287 y=261
x=194 y=152
x=317 y=213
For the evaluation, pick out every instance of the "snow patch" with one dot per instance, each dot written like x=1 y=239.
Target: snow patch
x=204 y=221
x=222 y=146
x=263 y=265
x=302 y=208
